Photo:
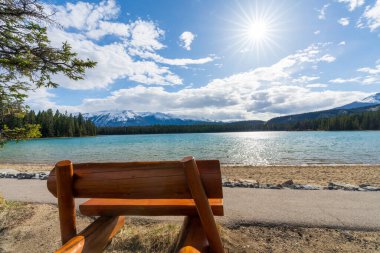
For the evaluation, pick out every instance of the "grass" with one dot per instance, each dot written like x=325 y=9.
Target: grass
x=12 y=213
x=145 y=236
x=35 y=228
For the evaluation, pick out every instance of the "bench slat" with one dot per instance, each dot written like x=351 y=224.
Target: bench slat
x=146 y=207
x=149 y=180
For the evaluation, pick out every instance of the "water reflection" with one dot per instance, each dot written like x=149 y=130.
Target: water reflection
x=250 y=148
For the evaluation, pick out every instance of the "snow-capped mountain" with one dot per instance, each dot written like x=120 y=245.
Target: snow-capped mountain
x=368 y=101
x=131 y=118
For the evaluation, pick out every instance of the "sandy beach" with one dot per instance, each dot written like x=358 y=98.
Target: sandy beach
x=310 y=174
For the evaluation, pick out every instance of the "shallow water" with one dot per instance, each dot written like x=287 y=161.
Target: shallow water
x=246 y=148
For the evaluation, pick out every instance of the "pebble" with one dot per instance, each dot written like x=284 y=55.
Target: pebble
x=25 y=175
x=291 y=185
x=342 y=186
x=249 y=183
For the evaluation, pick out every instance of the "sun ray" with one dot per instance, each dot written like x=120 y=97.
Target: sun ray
x=257 y=28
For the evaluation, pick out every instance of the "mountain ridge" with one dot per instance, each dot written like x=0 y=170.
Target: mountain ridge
x=367 y=101
x=116 y=118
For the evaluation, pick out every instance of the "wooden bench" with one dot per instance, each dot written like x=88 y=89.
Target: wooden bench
x=187 y=188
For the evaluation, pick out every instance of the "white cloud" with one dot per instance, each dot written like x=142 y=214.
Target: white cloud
x=262 y=93
x=40 y=99
x=84 y=15
x=317 y=85
x=322 y=12
x=328 y=58
x=130 y=54
x=344 y=21
x=343 y=80
x=352 y=4
x=175 y=62
x=305 y=79
x=186 y=39
x=317 y=32
x=146 y=35
x=371 y=17
x=370 y=76
x=372 y=71
x=108 y=28
x=342 y=43
x=113 y=63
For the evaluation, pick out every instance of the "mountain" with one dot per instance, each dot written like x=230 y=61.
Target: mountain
x=131 y=118
x=371 y=103
x=321 y=114
x=368 y=101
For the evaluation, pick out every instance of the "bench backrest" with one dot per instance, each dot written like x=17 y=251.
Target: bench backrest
x=140 y=180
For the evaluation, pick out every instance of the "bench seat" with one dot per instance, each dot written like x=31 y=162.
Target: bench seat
x=146 y=207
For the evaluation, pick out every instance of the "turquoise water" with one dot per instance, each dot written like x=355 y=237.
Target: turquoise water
x=248 y=148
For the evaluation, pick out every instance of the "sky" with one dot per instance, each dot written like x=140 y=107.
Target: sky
x=219 y=60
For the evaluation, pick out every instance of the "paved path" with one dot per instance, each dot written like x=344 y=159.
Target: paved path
x=335 y=209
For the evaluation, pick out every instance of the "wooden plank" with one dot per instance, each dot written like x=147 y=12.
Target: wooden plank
x=153 y=180
x=95 y=237
x=192 y=238
x=146 y=207
x=204 y=210
x=66 y=204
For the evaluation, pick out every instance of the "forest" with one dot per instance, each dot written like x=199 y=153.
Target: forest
x=54 y=124
x=67 y=125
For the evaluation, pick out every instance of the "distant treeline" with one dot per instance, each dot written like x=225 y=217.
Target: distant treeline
x=67 y=125
x=201 y=128
x=55 y=124
x=359 y=121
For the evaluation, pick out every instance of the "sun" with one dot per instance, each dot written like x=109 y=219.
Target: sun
x=257 y=31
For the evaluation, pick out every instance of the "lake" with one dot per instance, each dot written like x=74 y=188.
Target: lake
x=244 y=148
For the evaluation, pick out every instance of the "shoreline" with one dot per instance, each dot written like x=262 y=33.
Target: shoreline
x=315 y=175
x=2 y=164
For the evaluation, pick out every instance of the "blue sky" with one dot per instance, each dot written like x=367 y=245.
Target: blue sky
x=221 y=60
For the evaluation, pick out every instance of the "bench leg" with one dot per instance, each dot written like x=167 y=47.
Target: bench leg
x=66 y=205
x=95 y=237
x=203 y=206
x=192 y=238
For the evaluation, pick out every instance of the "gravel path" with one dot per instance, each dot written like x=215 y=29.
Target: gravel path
x=333 y=209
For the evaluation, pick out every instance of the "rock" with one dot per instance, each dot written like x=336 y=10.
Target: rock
x=287 y=183
x=25 y=175
x=311 y=187
x=10 y=175
x=240 y=183
x=273 y=186
x=43 y=176
x=229 y=184
x=342 y=186
x=370 y=188
x=249 y=183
